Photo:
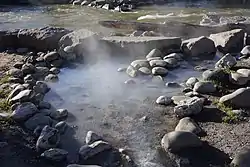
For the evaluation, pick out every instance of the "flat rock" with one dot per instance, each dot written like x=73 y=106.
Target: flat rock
x=144 y=71
x=140 y=63
x=55 y=154
x=204 y=87
x=159 y=71
x=178 y=140
x=239 y=98
x=15 y=91
x=189 y=125
x=229 y=41
x=177 y=99
x=177 y=56
x=158 y=63
x=89 y=151
x=164 y=100
x=227 y=62
x=24 y=111
x=23 y=96
x=201 y=46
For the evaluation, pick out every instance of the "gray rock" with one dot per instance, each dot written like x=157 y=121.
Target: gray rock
x=129 y=82
x=159 y=71
x=154 y=53
x=18 y=65
x=89 y=151
x=201 y=46
x=51 y=56
x=37 y=120
x=192 y=94
x=41 y=87
x=164 y=100
x=227 y=61
x=229 y=41
x=239 y=98
x=173 y=85
x=44 y=105
x=51 y=78
x=15 y=91
x=69 y=49
x=177 y=56
x=61 y=127
x=92 y=137
x=28 y=68
x=57 y=63
x=191 y=82
x=246 y=51
x=17 y=73
x=41 y=72
x=121 y=69
x=24 y=111
x=37 y=131
x=154 y=58
x=59 y=114
x=158 y=63
x=189 y=107
x=49 y=138
x=144 y=71
x=242 y=158
x=139 y=63
x=217 y=75
x=244 y=72
x=55 y=154
x=55 y=70
x=177 y=99
x=23 y=96
x=189 y=125
x=178 y=140
x=237 y=78
x=15 y=80
x=172 y=62
x=204 y=87
x=131 y=71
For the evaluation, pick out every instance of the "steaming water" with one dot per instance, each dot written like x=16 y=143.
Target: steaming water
x=95 y=94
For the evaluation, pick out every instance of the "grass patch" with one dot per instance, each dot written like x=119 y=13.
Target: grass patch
x=4 y=79
x=5 y=105
x=230 y=117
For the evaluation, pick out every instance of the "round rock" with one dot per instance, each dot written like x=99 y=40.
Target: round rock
x=191 y=82
x=55 y=154
x=204 y=87
x=189 y=125
x=164 y=100
x=51 y=78
x=159 y=71
x=154 y=53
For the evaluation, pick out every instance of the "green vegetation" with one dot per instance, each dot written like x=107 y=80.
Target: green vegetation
x=230 y=117
x=4 y=106
x=4 y=79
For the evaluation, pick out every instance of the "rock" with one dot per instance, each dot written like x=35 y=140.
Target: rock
x=177 y=56
x=217 y=75
x=227 y=61
x=51 y=56
x=18 y=65
x=172 y=62
x=42 y=39
x=38 y=120
x=204 y=87
x=51 y=78
x=15 y=73
x=41 y=87
x=24 y=111
x=177 y=99
x=192 y=94
x=164 y=100
x=22 y=50
x=4 y=116
x=144 y=71
x=158 y=63
x=59 y=114
x=41 y=72
x=242 y=158
x=61 y=127
x=238 y=79
x=57 y=63
x=187 y=89
x=55 y=154
x=49 y=138
x=244 y=72
x=197 y=47
x=28 y=69
x=89 y=151
x=92 y=137
x=15 y=80
x=189 y=107
x=229 y=41
x=129 y=82
x=131 y=71
x=157 y=79
x=178 y=140
x=173 y=85
x=44 y=105
x=246 y=51
x=154 y=53
x=23 y=96
x=140 y=63
x=154 y=58
x=15 y=92
x=189 y=125
x=55 y=70
x=191 y=82
x=77 y=2
x=238 y=98
x=121 y=69
x=159 y=71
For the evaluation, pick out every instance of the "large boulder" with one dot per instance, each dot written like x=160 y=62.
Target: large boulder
x=229 y=41
x=242 y=159
x=178 y=140
x=239 y=98
x=204 y=87
x=38 y=119
x=189 y=107
x=189 y=125
x=24 y=111
x=227 y=61
x=42 y=39
x=49 y=138
x=201 y=46
x=217 y=75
